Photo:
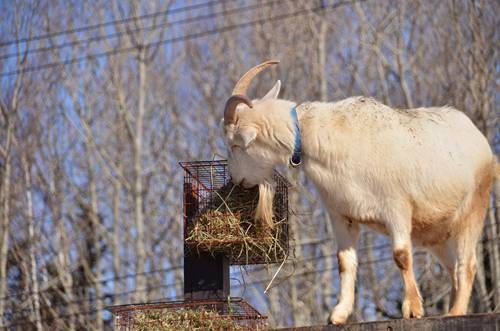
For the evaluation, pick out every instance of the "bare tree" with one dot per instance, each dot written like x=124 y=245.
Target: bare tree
x=90 y=196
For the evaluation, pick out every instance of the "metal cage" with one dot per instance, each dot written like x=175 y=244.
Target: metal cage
x=201 y=181
x=237 y=310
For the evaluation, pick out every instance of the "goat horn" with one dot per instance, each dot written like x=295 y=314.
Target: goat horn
x=245 y=80
x=240 y=91
x=231 y=104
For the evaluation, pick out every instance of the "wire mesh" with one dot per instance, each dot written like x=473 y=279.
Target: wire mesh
x=236 y=310
x=202 y=180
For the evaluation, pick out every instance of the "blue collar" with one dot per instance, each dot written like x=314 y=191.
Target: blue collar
x=296 y=160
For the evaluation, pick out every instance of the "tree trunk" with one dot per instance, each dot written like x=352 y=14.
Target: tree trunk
x=32 y=249
x=96 y=277
x=4 y=226
x=322 y=60
x=138 y=189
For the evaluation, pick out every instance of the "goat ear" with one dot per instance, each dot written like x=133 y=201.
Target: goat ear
x=273 y=93
x=247 y=135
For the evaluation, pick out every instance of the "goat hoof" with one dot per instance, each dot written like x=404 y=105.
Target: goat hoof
x=412 y=309
x=337 y=317
x=454 y=313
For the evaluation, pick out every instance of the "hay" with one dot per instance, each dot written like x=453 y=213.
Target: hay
x=227 y=225
x=183 y=320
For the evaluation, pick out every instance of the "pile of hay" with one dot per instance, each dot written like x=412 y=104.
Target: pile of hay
x=227 y=224
x=183 y=320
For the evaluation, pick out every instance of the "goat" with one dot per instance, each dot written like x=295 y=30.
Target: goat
x=419 y=176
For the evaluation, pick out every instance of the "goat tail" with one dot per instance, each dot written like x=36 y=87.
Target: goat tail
x=496 y=180
x=497 y=170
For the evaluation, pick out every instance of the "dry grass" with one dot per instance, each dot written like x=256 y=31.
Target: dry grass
x=182 y=320
x=228 y=225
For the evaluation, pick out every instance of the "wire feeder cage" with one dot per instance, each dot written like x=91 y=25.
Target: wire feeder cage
x=203 y=182
x=231 y=313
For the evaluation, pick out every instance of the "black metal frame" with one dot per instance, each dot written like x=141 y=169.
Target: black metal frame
x=207 y=275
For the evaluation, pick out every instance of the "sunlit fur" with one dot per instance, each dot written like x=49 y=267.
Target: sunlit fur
x=253 y=164
x=420 y=176
x=272 y=144
x=264 y=210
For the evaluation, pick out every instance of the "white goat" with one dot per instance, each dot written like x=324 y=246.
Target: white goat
x=422 y=175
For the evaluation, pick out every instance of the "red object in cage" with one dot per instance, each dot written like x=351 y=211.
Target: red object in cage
x=202 y=180
x=237 y=310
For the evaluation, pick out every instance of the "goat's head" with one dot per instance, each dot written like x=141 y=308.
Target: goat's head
x=250 y=131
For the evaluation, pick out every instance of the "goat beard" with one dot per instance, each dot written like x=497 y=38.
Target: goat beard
x=264 y=210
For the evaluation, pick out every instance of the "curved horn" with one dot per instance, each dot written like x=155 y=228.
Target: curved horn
x=245 y=80
x=231 y=104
